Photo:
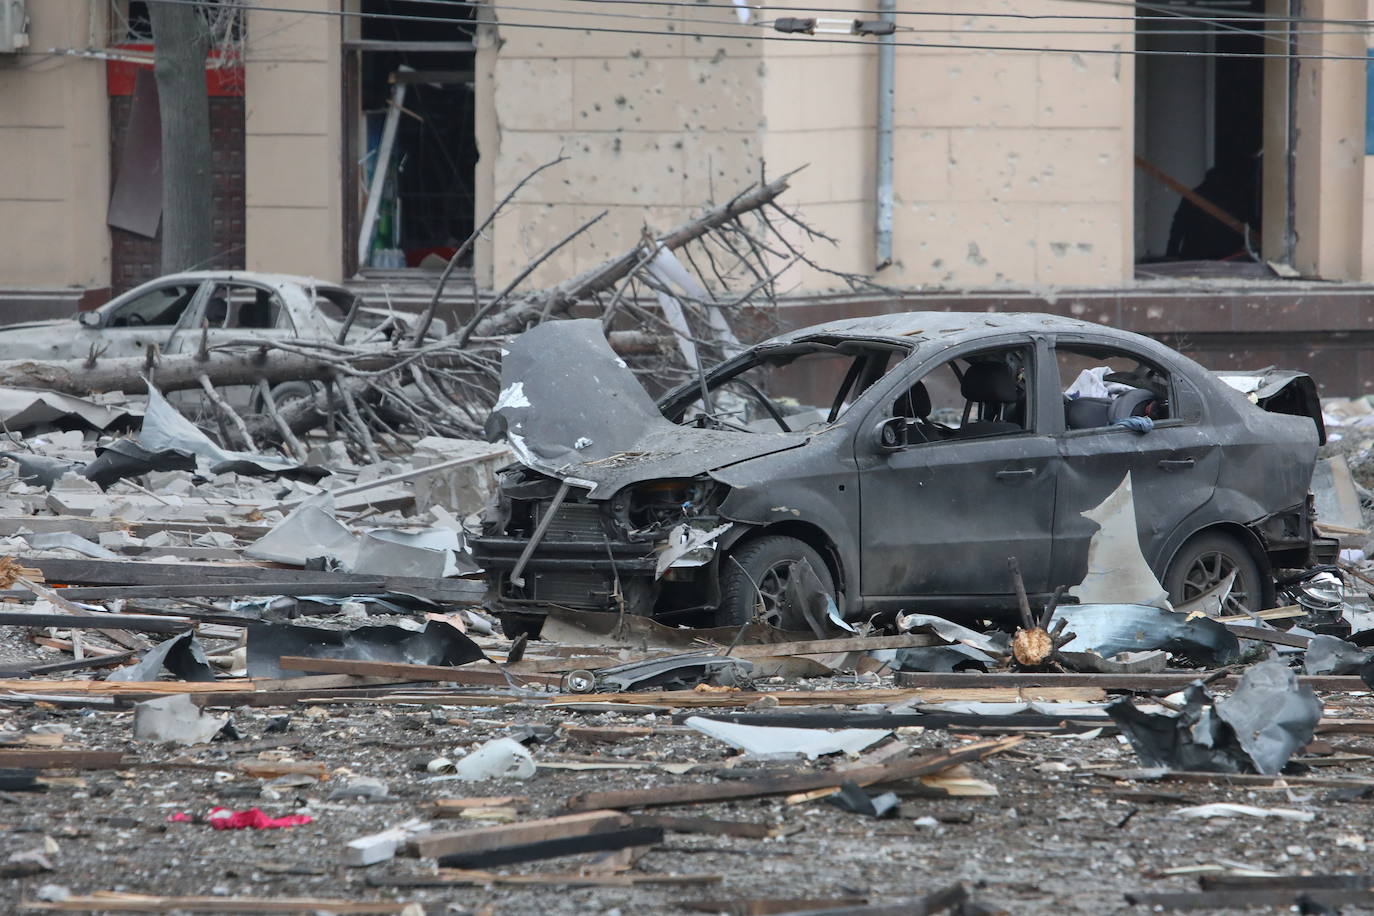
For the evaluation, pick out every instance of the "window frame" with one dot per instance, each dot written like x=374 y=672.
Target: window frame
x=1170 y=370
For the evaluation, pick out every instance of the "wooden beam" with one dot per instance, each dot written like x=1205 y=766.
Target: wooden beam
x=1121 y=683
x=594 y=841
x=404 y=672
x=695 y=793
x=61 y=760
x=117 y=902
x=435 y=845
x=987 y=692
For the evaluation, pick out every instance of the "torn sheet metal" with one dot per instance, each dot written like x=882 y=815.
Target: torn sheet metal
x=943 y=659
x=1272 y=715
x=1108 y=629
x=767 y=741
x=569 y=407
x=176 y=719
x=433 y=553
x=1332 y=655
x=126 y=458
x=70 y=540
x=166 y=430
x=1285 y=391
x=687 y=546
x=1117 y=571
x=183 y=655
x=24 y=409
x=1257 y=729
x=40 y=470
x=437 y=644
x=310 y=531
x=599 y=628
x=852 y=798
x=680 y=672
x=991 y=643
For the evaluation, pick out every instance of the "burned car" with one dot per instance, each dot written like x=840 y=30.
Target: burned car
x=172 y=312
x=874 y=465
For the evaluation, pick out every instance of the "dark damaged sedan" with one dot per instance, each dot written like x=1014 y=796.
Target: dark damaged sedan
x=887 y=463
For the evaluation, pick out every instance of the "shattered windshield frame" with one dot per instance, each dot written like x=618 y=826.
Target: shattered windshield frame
x=799 y=386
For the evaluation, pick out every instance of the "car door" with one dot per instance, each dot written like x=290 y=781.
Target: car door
x=1174 y=467
x=230 y=311
x=146 y=316
x=941 y=517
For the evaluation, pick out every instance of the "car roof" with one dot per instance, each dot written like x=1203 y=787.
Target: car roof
x=247 y=276
x=949 y=327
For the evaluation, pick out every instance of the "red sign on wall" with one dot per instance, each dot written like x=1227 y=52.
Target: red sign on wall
x=226 y=79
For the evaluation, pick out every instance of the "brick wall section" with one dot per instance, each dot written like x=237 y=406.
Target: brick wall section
x=136 y=259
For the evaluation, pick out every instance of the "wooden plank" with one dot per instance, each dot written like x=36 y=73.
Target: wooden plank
x=124 y=688
x=1237 y=779
x=1264 y=897
x=694 y=793
x=829 y=646
x=708 y=825
x=434 y=845
x=94 y=661
x=116 y=902
x=595 y=841
x=60 y=760
x=1109 y=682
x=140 y=622
x=1274 y=637
x=293 y=589
x=988 y=693
x=454 y=807
x=463 y=878
x=605 y=734
x=771 y=906
x=400 y=671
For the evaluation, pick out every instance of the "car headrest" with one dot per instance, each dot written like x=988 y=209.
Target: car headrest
x=914 y=404
x=1133 y=403
x=990 y=382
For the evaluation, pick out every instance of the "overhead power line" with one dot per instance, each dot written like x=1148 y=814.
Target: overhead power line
x=930 y=45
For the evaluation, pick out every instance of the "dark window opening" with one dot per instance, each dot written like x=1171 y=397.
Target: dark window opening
x=1199 y=124
x=1103 y=384
x=983 y=394
x=425 y=209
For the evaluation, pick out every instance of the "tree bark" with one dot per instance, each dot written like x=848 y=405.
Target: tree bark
x=234 y=367
x=181 y=38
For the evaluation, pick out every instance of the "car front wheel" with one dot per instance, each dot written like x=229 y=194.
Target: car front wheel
x=754 y=581
x=1205 y=561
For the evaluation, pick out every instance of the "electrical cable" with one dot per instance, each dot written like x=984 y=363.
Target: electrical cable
x=955 y=46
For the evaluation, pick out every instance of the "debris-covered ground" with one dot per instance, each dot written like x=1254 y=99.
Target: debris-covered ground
x=559 y=775
x=239 y=681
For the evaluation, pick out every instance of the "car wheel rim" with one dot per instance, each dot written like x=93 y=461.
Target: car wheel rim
x=1210 y=570
x=771 y=599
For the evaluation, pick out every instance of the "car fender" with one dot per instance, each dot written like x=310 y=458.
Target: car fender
x=1227 y=509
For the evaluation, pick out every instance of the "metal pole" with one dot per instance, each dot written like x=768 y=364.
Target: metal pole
x=1290 y=227
x=887 y=66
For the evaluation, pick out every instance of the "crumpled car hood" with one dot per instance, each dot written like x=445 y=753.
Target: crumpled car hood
x=571 y=408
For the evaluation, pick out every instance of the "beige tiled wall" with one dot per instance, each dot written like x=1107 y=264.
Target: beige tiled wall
x=293 y=144
x=54 y=155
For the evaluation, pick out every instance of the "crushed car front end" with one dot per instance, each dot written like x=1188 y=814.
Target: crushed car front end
x=649 y=548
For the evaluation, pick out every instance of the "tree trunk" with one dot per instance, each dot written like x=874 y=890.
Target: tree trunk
x=181 y=38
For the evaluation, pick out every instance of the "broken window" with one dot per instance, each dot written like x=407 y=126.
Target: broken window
x=802 y=386
x=1104 y=384
x=981 y=394
x=236 y=305
x=160 y=307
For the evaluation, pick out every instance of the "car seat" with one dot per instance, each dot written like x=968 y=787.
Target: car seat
x=216 y=310
x=993 y=388
x=915 y=405
x=1086 y=413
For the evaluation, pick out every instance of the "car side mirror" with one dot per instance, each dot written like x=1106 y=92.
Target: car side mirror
x=891 y=434
x=88 y=319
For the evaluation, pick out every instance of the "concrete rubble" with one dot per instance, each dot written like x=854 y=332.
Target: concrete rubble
x=222 y=690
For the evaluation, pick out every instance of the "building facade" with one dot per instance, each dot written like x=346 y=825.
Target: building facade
x=1027 y=138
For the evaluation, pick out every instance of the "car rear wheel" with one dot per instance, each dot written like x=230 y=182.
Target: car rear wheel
x=1205 y=561
x=754 y=580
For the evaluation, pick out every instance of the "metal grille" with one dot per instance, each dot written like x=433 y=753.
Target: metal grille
x=573 y=522
x=573 y=589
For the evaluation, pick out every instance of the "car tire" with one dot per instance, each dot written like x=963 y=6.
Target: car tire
x=760 y=566
x=1205 y=560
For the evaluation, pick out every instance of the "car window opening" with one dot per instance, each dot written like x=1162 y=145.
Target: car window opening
x=983 y=394
x=161 y=307
x=797 y=388
x=1103 y=385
